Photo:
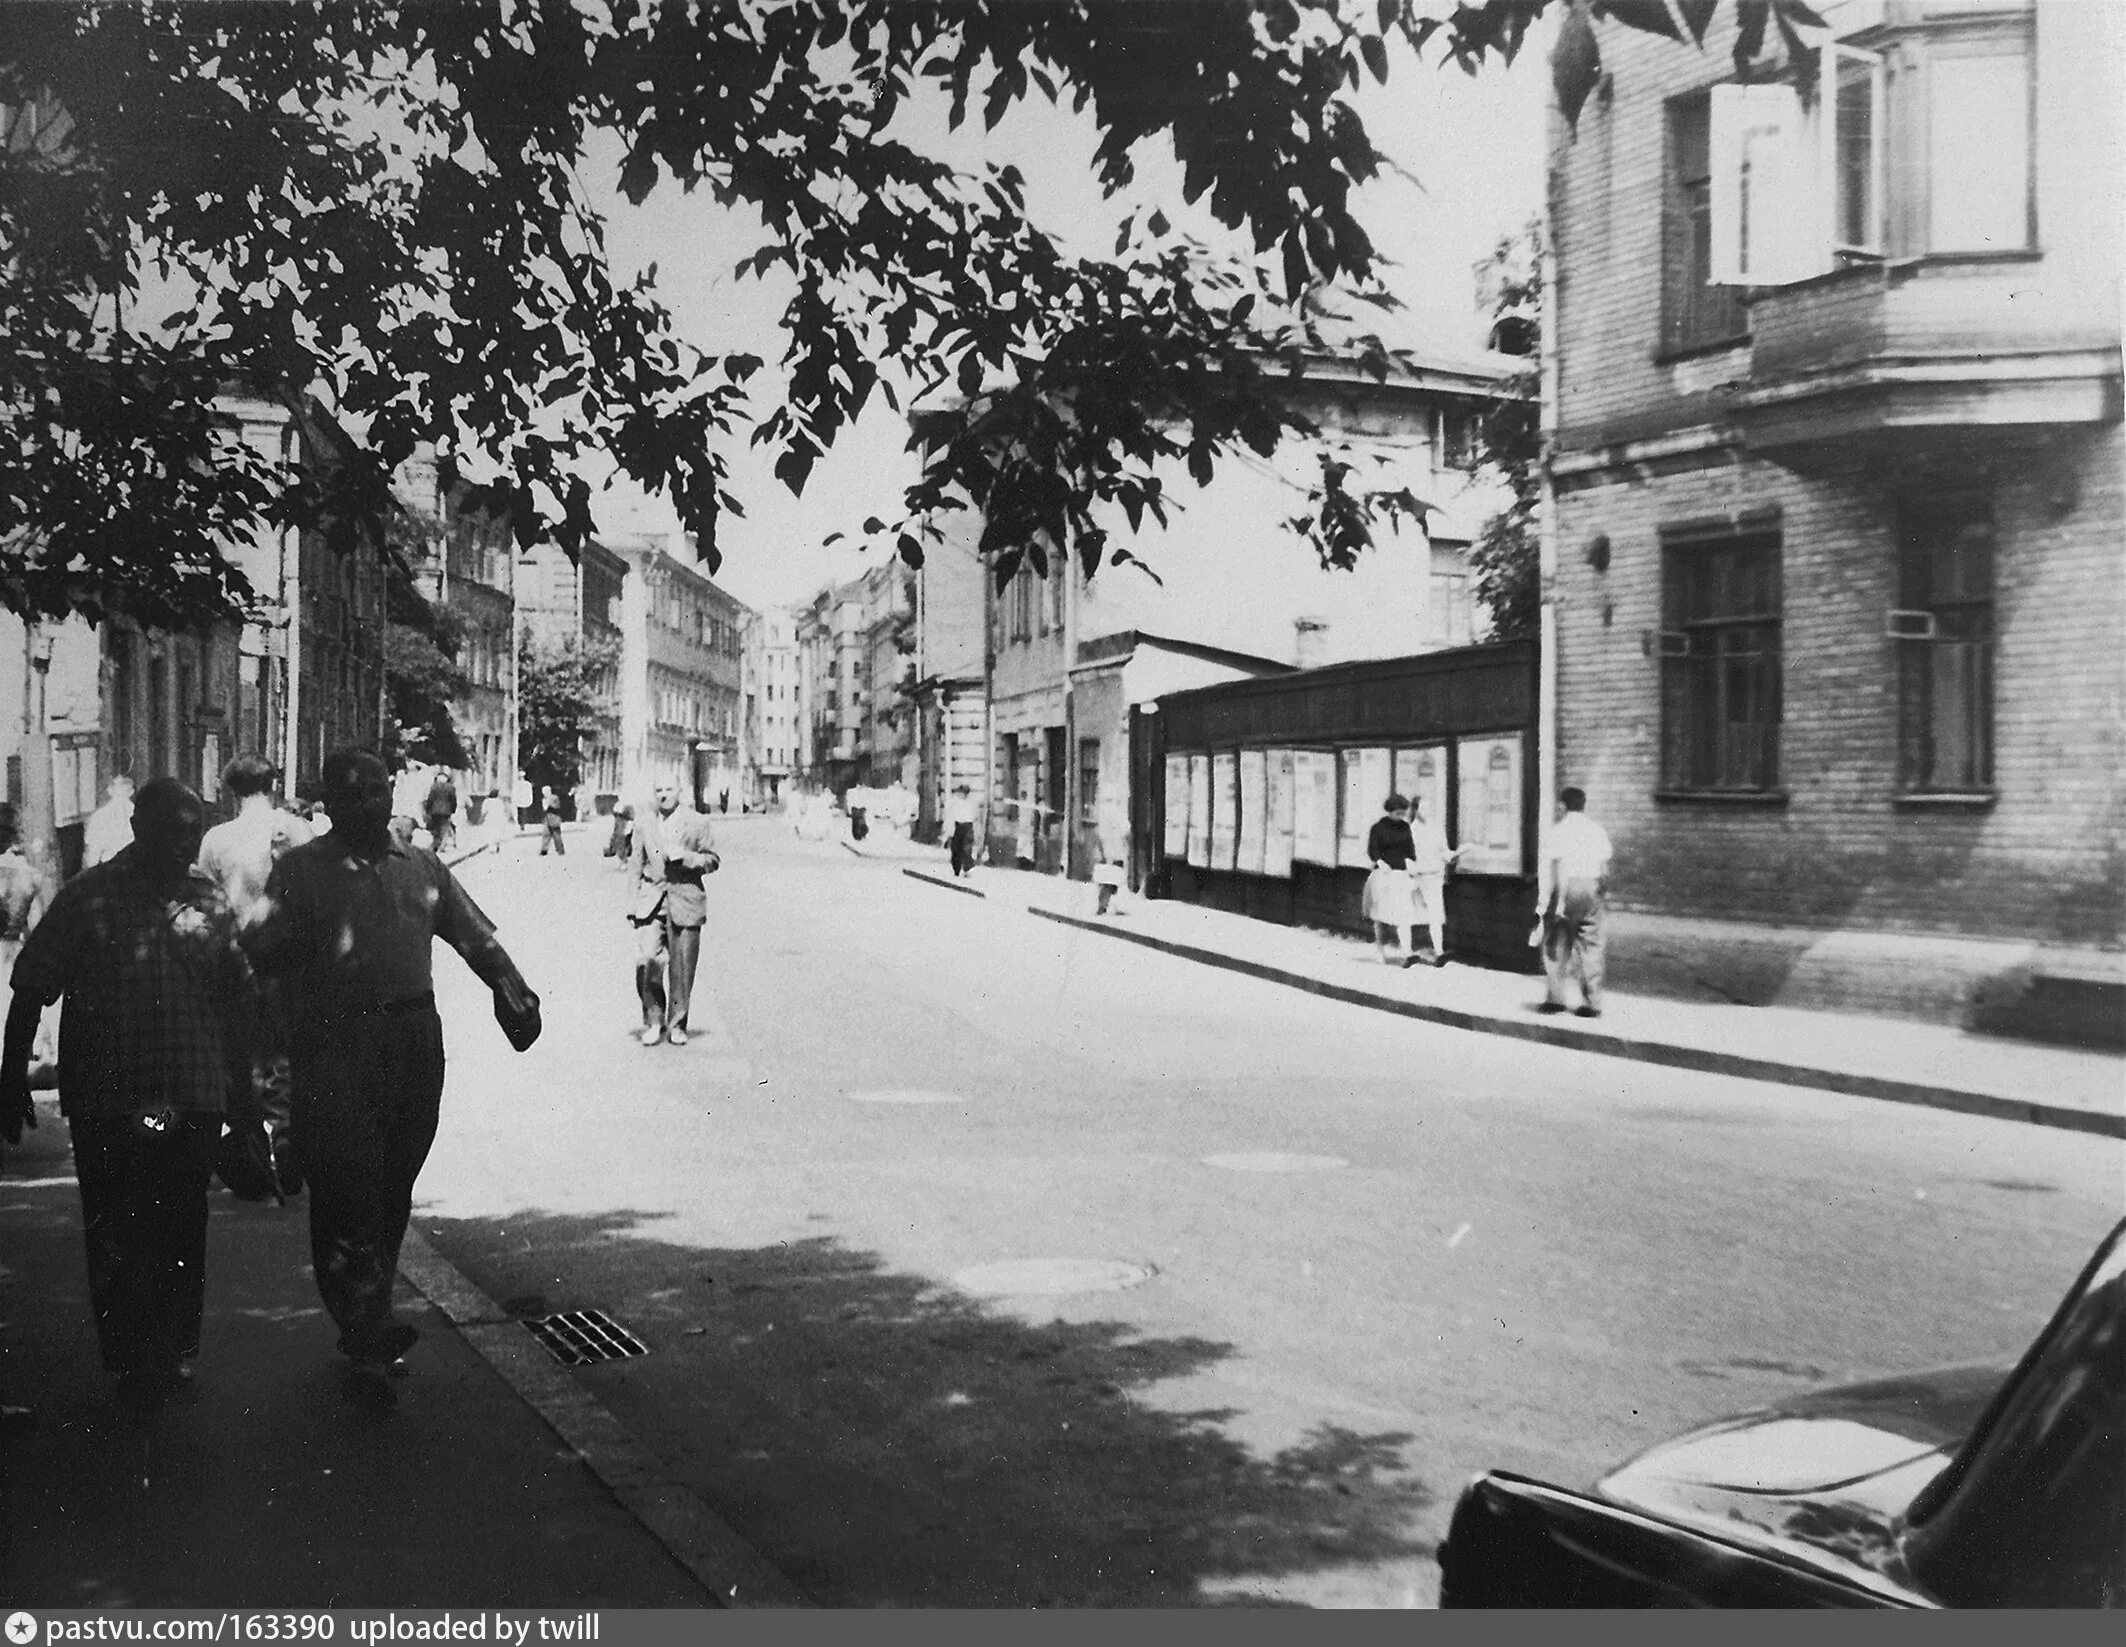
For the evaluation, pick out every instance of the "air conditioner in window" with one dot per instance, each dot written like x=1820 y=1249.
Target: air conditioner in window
x=1904 y=624
x=1674 y=644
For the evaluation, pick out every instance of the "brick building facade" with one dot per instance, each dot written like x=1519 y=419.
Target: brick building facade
x=1836 y=576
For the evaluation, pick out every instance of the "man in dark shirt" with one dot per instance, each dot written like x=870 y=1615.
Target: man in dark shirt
x=152 y=1038
x=348 y=920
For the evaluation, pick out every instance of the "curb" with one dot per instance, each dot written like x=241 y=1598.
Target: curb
x=930 y=879
x=1701 y=1059
x=734 y=1573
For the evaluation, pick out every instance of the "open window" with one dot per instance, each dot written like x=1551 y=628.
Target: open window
x=1914 y=141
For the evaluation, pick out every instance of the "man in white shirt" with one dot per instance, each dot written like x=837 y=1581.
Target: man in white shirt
x=1570 y=882
x=109 y=829
x=240 y=855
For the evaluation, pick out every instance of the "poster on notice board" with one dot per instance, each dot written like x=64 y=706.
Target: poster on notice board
x=1423 y=772
x=1199 y=810
x=1225 y=808
x=1314 y=807
x=1368 y=778
x=1489 y=805
x=1281 y=795
x=1177 y=806
x=1254 y=811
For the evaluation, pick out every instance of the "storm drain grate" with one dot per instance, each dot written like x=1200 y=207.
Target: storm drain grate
x=577 y=1337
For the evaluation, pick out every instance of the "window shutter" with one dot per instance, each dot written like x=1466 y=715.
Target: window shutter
x=1764 y=225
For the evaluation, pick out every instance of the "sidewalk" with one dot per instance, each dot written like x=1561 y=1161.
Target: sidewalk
x=1882 y=1058
x=259 y=1484
x=497 y=1480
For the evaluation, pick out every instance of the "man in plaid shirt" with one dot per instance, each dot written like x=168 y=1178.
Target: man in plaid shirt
x=154 y=1031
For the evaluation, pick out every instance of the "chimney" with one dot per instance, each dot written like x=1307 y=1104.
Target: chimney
x=1310 y=642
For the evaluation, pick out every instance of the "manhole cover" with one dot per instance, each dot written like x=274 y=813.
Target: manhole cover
x=1049 y=1277
x=1275 y=1161
x=905 y=1095
x=577 y=1337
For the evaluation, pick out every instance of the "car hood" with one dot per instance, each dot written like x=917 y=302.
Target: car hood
x=1825 y=1476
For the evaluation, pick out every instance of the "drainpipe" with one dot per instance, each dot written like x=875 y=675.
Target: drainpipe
x=291 y=599
x=1070 y=713
x=1547 y=530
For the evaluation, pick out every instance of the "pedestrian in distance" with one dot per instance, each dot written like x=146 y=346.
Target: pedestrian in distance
x=1431 y=858
x=621 y=841
x=256 y=1159
x=152 y=1039
x=349 y=922
x=22 y=896
x=1391 y=888
x=550 y=822
x=668 y=905
x=959 y=815
x=439 y=810
x=108 y=830
x=1572 y=880
x=409 y=795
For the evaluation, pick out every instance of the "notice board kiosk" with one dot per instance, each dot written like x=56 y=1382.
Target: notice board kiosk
x=1255 y=796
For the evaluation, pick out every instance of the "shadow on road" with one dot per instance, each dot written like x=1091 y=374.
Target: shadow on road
x=885 y=1441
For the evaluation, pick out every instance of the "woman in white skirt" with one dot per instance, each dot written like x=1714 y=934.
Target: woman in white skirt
x=1391 y=890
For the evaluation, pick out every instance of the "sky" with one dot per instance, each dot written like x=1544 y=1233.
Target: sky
x=1469 y=155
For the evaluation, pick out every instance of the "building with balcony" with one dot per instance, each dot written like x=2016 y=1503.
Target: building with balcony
x=580 y=602
x=1837 y=592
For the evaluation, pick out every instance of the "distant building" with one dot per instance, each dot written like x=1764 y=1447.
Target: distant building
x=1838 y=594
x=948 y=690
x=580 y=602
x=834 y=668
x=781 y=725
x=1235 y=595
x=465 y=564
x=681 y=668
x=80 y=704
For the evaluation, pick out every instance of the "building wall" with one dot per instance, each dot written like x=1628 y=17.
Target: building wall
x=1836 y=845
x=1615 y=379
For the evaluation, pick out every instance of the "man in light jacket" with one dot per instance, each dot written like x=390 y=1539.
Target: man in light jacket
x=667 y=905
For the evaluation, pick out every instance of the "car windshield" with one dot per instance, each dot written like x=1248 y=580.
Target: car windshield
x=2033 y=1511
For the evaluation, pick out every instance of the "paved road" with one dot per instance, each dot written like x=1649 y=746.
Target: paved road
x=1375 y=1255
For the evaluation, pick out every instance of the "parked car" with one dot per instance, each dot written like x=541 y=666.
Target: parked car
x=1987 y=1486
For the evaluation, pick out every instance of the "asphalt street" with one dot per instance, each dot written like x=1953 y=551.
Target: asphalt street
x=986 y=1262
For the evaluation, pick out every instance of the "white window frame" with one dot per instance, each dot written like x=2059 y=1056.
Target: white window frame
x=1835 y=55
x=1760 y=165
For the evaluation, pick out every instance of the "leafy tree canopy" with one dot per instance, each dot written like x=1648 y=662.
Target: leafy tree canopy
x=557 y=705
x=1507 y=554
x=381 y=204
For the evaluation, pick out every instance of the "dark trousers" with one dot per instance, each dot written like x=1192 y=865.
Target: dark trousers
x=552 y=837
x=962 y=848
x=368 y=1091
x=665 y=979
x=144 y=1219
x=442 y=832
